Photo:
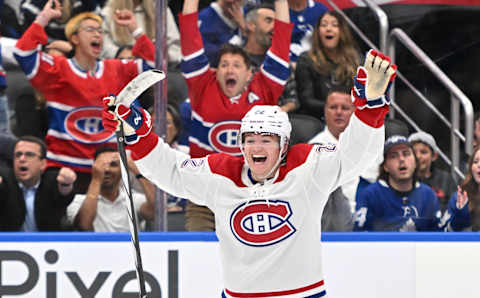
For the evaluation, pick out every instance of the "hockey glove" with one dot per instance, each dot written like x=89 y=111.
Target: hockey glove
x=373 y=80
x=137 y=122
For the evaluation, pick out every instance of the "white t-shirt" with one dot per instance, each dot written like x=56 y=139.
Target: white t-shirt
x=111 y=216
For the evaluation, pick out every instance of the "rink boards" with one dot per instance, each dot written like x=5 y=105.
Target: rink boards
x=187 y=265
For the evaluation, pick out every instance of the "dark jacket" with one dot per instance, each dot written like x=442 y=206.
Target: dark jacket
x=49 y=208
x=313 y=87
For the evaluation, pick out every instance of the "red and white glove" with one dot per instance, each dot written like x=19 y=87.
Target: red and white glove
x=370 y=88
x=137 y=123
x=373 y=80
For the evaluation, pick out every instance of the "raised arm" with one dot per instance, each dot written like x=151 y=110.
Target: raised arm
x=281 y=11
x=147 y=209
x=49 y=12
x=190 y=6
x=88 y=211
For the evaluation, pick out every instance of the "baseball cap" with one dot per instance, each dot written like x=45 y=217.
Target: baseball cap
x=393 y=141
x=423 y=137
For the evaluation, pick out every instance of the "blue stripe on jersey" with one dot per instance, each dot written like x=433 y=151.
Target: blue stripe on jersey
x=276 y=67
x=193 y=63
x=200 y=131
x=56 y=118
x=27 y=63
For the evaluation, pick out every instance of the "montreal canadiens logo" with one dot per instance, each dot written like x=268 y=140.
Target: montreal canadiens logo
x=260 y=224
x=223 y=137
x=85 y=125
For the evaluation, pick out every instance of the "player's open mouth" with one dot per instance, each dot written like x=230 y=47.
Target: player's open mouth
x=402 y=169
x=230 y=83
x=329 y=37
x=95 y=45
x=23 y=170
x=259 y=158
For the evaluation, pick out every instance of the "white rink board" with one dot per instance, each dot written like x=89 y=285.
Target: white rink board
x=356 y=265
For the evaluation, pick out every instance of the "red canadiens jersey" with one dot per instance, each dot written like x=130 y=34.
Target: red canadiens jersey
x=269 y=234
x=74 y=96
x=216 y=118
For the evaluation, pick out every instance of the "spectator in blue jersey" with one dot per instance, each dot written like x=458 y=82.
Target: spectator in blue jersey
x=30 y=198
x=397 y=201
x=73 y=87
x=442 y=182
x=304 y=14
x=463 y=213
x=331 y=62
x=221 y=22
x=259 y=31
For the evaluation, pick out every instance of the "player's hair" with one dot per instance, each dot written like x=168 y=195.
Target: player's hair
x=252 y=13
x=103 y=150
x=348 y=55
x=234 y=50
x=120 y=50
x=345 y=89
x=36 y=140
x=469 y=184
x=74 y=23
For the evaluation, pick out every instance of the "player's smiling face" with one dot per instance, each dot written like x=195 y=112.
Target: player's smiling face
x=89 y=38
x=400 y=163
x=233 y=74
x=262 y=152
x=329 y=31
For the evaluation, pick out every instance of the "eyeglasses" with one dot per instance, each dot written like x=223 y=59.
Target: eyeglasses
x=28 y=155
x=91 y=29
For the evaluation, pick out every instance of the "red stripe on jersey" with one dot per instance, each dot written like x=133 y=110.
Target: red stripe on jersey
x=228 y=166
x=278 y=293
x=297 y=155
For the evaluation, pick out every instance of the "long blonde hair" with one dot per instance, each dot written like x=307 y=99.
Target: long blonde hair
x=120 y=34
x=348 y=58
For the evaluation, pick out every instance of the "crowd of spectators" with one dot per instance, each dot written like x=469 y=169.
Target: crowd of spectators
x=59 y=169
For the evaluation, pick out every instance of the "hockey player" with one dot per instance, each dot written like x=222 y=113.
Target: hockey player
x=267 y=203
x=74 y=88
x=221 y=97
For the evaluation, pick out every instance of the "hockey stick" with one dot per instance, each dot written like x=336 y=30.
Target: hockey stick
x=126 y=96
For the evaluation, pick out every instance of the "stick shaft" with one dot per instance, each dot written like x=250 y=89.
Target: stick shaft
x=131 y=211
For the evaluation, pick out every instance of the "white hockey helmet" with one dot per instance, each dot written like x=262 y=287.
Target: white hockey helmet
x=267 y=119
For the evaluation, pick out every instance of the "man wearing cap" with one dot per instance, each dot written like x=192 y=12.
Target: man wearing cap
x=74 y=88
x=397 y=202
x=440 y=181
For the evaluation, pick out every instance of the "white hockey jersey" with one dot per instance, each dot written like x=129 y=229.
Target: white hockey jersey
x=269 y=234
